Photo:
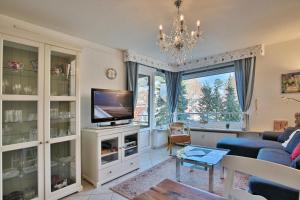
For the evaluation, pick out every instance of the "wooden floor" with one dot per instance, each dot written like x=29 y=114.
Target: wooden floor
x=171 y=190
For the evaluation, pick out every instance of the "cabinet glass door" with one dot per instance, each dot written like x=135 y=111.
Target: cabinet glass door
x=62 y=118
x=20 y=69
x=63 y=74
x=20 y=174
x=109 y=150
x=130 y=145
x=19 y=122
x=63 y=164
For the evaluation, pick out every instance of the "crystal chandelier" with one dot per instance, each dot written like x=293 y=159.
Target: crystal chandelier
x=179 y=43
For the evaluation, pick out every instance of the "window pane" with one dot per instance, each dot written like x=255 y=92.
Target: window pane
x=210 y=102
x=160 y=101
x=141 y=113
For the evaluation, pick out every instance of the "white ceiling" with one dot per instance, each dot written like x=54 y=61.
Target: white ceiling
x=133 y=24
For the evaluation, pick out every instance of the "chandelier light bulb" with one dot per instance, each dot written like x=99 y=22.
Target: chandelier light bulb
x=176 y=39
x=192 y=33
x=181 y=17
x=160 y=27
x=198 y=23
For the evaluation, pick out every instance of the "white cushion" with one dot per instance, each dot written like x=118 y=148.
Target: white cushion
x=291 y=136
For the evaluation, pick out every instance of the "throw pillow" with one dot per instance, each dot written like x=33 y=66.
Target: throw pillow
x=286 y=134
x=290 y=137
x=296 y=163
x=293 y=143
x=296 y=152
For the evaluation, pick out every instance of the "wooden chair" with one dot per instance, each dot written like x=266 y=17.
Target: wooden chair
x=267 y=170
x=179 y=134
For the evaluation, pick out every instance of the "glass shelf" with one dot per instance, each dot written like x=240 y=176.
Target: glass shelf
x=19 y=122
x=63 y=165
x=20 y=67
x=63 y=74
x=20 y=174
x=62 y=118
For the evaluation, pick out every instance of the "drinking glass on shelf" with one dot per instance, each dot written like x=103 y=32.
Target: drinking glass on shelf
x=54 y=132
x=17 y=88
x=5 y=86
x=32 y=117
x=33 y=134
x=8 y=116
x=54 y=113
x=27 y=90
x=18 y=116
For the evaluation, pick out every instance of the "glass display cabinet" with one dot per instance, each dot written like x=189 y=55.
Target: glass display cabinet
x=21 y=127
x=39 y=129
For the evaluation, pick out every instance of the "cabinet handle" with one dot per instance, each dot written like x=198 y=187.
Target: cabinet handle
x=131 y=163
x=47 y=142
x=40 y=142
x=110 y=172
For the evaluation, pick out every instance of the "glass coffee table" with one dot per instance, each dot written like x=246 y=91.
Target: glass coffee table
x=198 y=157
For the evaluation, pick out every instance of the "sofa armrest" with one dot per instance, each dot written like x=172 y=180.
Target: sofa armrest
x=270 y=135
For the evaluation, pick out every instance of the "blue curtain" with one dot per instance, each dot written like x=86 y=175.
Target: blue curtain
x=132 y=70
x=244 y=75
x=173 y=82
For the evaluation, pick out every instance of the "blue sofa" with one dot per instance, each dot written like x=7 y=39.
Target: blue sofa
x=269 y=149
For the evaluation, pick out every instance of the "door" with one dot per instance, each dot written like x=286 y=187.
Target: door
x=111 y=150
x=21 y=127
x=62 y=130
x=130 y=145
x=144 y=106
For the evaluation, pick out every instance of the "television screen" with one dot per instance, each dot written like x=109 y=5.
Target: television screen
x=111 y=105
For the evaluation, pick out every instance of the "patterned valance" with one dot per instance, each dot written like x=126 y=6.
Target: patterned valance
x=226 y=57
x=222 y=58
x=130 y=55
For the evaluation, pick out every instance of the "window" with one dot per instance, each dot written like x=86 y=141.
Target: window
x=160 y=101
x=210 y=102
x=142 y=109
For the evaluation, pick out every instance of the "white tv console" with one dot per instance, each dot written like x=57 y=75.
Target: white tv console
x=109 y=152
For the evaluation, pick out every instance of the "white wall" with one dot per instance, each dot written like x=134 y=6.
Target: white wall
x=92 y=75
x=279 y=58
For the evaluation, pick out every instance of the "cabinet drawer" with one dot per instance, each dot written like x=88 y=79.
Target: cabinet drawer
x=109 y=173
x=131 y=164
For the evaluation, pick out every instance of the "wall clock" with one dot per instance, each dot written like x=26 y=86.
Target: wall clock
x=111 y=73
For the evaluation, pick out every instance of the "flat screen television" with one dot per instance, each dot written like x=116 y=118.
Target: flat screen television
x=111 y=105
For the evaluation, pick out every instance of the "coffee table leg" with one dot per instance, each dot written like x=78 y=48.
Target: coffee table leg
x=211 y=178
x=222 y=172
x=178 y=169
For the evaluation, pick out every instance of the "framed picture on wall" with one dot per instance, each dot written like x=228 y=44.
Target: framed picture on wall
x=290 y=83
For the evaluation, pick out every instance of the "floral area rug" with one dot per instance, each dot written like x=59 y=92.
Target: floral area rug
x=167 y=169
